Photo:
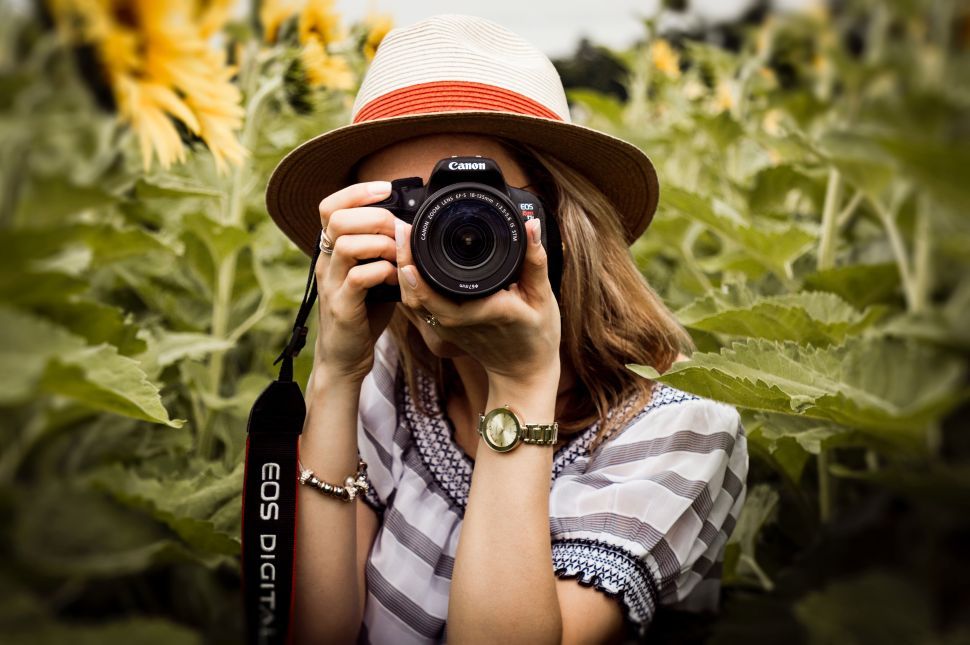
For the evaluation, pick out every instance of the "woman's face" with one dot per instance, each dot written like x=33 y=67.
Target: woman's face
x=416 y=158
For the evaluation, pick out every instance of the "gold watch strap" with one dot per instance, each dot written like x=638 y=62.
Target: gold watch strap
x=536 y=434
x=540 y=434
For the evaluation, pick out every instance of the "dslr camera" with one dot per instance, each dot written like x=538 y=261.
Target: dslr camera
x=468 y=236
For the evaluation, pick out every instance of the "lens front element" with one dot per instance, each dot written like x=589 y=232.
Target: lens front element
x=468 y=240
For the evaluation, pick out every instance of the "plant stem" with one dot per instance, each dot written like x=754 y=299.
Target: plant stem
x=830 y=221
x=261 y=310
x=888 y=219
x=824 y=487
x=846 y=214
x=687 y=248
x=234 y=216
x=922 y=265
x=763 y=578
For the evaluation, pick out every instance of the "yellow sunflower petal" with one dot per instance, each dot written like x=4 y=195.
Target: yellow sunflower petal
x=319 y=20
x=272 y=14
x=325 y=70
x=377 y=27
x=664 y=58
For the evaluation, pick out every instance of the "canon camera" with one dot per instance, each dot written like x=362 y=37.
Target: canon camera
x=468 y=236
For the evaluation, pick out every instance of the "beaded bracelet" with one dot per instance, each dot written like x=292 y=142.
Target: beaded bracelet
x=352 y=485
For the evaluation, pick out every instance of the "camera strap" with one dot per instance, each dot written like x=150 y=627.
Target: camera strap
x=269 y=492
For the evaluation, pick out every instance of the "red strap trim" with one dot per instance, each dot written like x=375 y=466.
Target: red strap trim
x=442 y=96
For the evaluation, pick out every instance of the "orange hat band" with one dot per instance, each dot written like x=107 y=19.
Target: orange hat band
x=443 y=96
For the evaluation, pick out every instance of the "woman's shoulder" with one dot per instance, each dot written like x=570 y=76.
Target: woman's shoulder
x=670 y=411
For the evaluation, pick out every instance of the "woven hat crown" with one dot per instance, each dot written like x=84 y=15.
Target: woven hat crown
x=454 y=62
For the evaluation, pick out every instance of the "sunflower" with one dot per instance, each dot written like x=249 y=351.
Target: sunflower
x=325 y=70
x=377 y=27
x=664 y=58
x=273 y=13
x=318 y=27
x=156 y=57
x=319 y=21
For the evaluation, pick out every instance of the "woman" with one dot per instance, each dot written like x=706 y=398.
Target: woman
x=581 y=541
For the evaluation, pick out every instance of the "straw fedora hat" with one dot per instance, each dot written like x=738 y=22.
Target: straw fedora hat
x=457 y=73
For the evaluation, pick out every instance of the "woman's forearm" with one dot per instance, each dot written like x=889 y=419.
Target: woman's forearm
x=503 y=587
x=328 y=595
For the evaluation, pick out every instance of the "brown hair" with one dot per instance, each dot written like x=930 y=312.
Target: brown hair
x=611 y=316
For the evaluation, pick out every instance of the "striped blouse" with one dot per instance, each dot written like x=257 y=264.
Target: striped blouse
x=644 y=519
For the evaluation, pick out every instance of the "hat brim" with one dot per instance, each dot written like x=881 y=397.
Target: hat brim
x=321 y=165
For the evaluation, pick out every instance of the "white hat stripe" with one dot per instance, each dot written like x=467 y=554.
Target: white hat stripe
x=425 y=53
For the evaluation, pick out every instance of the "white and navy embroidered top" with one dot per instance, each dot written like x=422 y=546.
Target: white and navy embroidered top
x=644 y=520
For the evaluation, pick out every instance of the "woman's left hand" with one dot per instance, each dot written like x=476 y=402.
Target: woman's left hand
x=513 y=333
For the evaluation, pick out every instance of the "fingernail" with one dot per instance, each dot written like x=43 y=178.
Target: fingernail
x=537 y=231
x=399 y=233
x=379 y=187
x=409 y=276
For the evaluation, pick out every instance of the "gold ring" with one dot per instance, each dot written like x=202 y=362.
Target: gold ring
x=326 y=244
x=431 y=320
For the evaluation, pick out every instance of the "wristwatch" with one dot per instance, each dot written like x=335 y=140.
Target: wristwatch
x=502 y=432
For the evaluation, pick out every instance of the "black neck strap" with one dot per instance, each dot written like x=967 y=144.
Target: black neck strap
x=269 y=492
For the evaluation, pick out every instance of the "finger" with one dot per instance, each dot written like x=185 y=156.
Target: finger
x=352 y=196
x=415 y=291
x=351 y=294
x=534 y=278
x=361 y=219
x=348 y=250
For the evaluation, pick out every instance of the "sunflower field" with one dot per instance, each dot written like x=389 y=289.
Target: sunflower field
x=813 y=235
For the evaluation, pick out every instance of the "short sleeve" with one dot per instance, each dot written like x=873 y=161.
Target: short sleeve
x=378 y=436
x=646 y=517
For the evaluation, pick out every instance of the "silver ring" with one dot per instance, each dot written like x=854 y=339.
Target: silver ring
x=431 y=320
x=326 y=244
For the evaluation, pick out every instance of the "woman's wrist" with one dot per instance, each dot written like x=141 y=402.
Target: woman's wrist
x=532 y=397
x=325 y=380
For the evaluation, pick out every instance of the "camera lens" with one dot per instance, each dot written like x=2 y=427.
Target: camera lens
x=469 y=240
x=466 y=241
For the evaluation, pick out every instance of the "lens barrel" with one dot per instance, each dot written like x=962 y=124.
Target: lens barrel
x=470 y=240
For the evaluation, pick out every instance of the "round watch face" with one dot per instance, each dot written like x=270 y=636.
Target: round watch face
x=501 y=430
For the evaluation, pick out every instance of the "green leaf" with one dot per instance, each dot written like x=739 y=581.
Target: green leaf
x=100 y=377
x=772 y=186
x=939 y=167
x=62 y=529
x=860 y=284
x=167 y=347
x=140 y=631
x=170 y=297
x=112 y=244
x=790 y=441
x=875 y=607
x=27 y=344
x=860 y=159
x=601 y=106
x=817 y=318
x=773 y=244
x=741 y=564
x=722 y=128
x=945 y=486
x=51 y=199
x=892 y=389
x=221 y=239
x=167 y=185
x=95 y=321
x=187 y=506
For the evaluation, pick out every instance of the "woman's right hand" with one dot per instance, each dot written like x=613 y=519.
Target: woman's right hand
x=349 y=327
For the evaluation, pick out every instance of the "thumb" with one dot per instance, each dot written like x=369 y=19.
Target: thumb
x=534 y=278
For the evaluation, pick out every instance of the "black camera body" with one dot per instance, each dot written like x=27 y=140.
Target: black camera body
x=468 y=236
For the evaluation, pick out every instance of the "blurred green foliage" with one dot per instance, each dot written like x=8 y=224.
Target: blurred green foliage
x=812 y=234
